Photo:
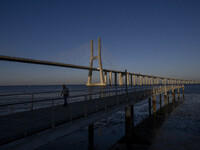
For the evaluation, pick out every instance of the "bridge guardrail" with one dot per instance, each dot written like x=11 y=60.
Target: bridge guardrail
x=32 y=121
x=32 y=102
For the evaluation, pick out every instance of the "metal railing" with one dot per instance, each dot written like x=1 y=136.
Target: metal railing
x=37 y=100
x=32 y=121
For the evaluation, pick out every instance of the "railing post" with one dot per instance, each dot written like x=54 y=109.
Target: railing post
x=149 y=106
x=85 y=106
x=105 y=102
x=178 y=92
x=160 y=101
x=168 y=97
x=117 y=96
x=165 y=95
x=126 y=85
x=173 y=97
x=32 y=101
x=52 y=115
x=154 y=102
x=100 y=93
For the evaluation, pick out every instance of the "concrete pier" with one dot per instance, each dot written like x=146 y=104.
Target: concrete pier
x=146 y=81
x=110 y=78
x=120 y=79
x=129 y=118
x=140 y=80
x=138 y=83
x=105 y=78
x=128 y=80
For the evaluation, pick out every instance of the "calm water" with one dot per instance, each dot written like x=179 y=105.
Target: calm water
x=180 y=131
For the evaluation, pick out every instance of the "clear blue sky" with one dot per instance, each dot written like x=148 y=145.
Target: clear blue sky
x=159 y=37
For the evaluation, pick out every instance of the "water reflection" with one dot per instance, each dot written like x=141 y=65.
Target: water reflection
x=143 y=133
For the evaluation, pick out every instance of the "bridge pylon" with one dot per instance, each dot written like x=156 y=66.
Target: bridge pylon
x=89 y=82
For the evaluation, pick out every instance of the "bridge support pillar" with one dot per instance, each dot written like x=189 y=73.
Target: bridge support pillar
x=146 y=81
x=105 y=78
x=183 y=91
x=92 y=58
x=128 y=80
x=133 y=79
x=143 y=80
x=91 y=136
x=110 y=78
x=149 y=106
x=140 y=80
x=129 y=121
x=154 y=104
x=120 y=79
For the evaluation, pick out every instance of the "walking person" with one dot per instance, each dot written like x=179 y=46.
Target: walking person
x=65 y=93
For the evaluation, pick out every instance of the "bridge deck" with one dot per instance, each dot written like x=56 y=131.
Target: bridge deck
x=19 y=125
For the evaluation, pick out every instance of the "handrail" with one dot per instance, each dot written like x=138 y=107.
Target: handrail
x=28 y=93
x=49 y=99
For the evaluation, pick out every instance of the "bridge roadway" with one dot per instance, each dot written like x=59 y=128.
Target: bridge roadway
x=38 y=127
